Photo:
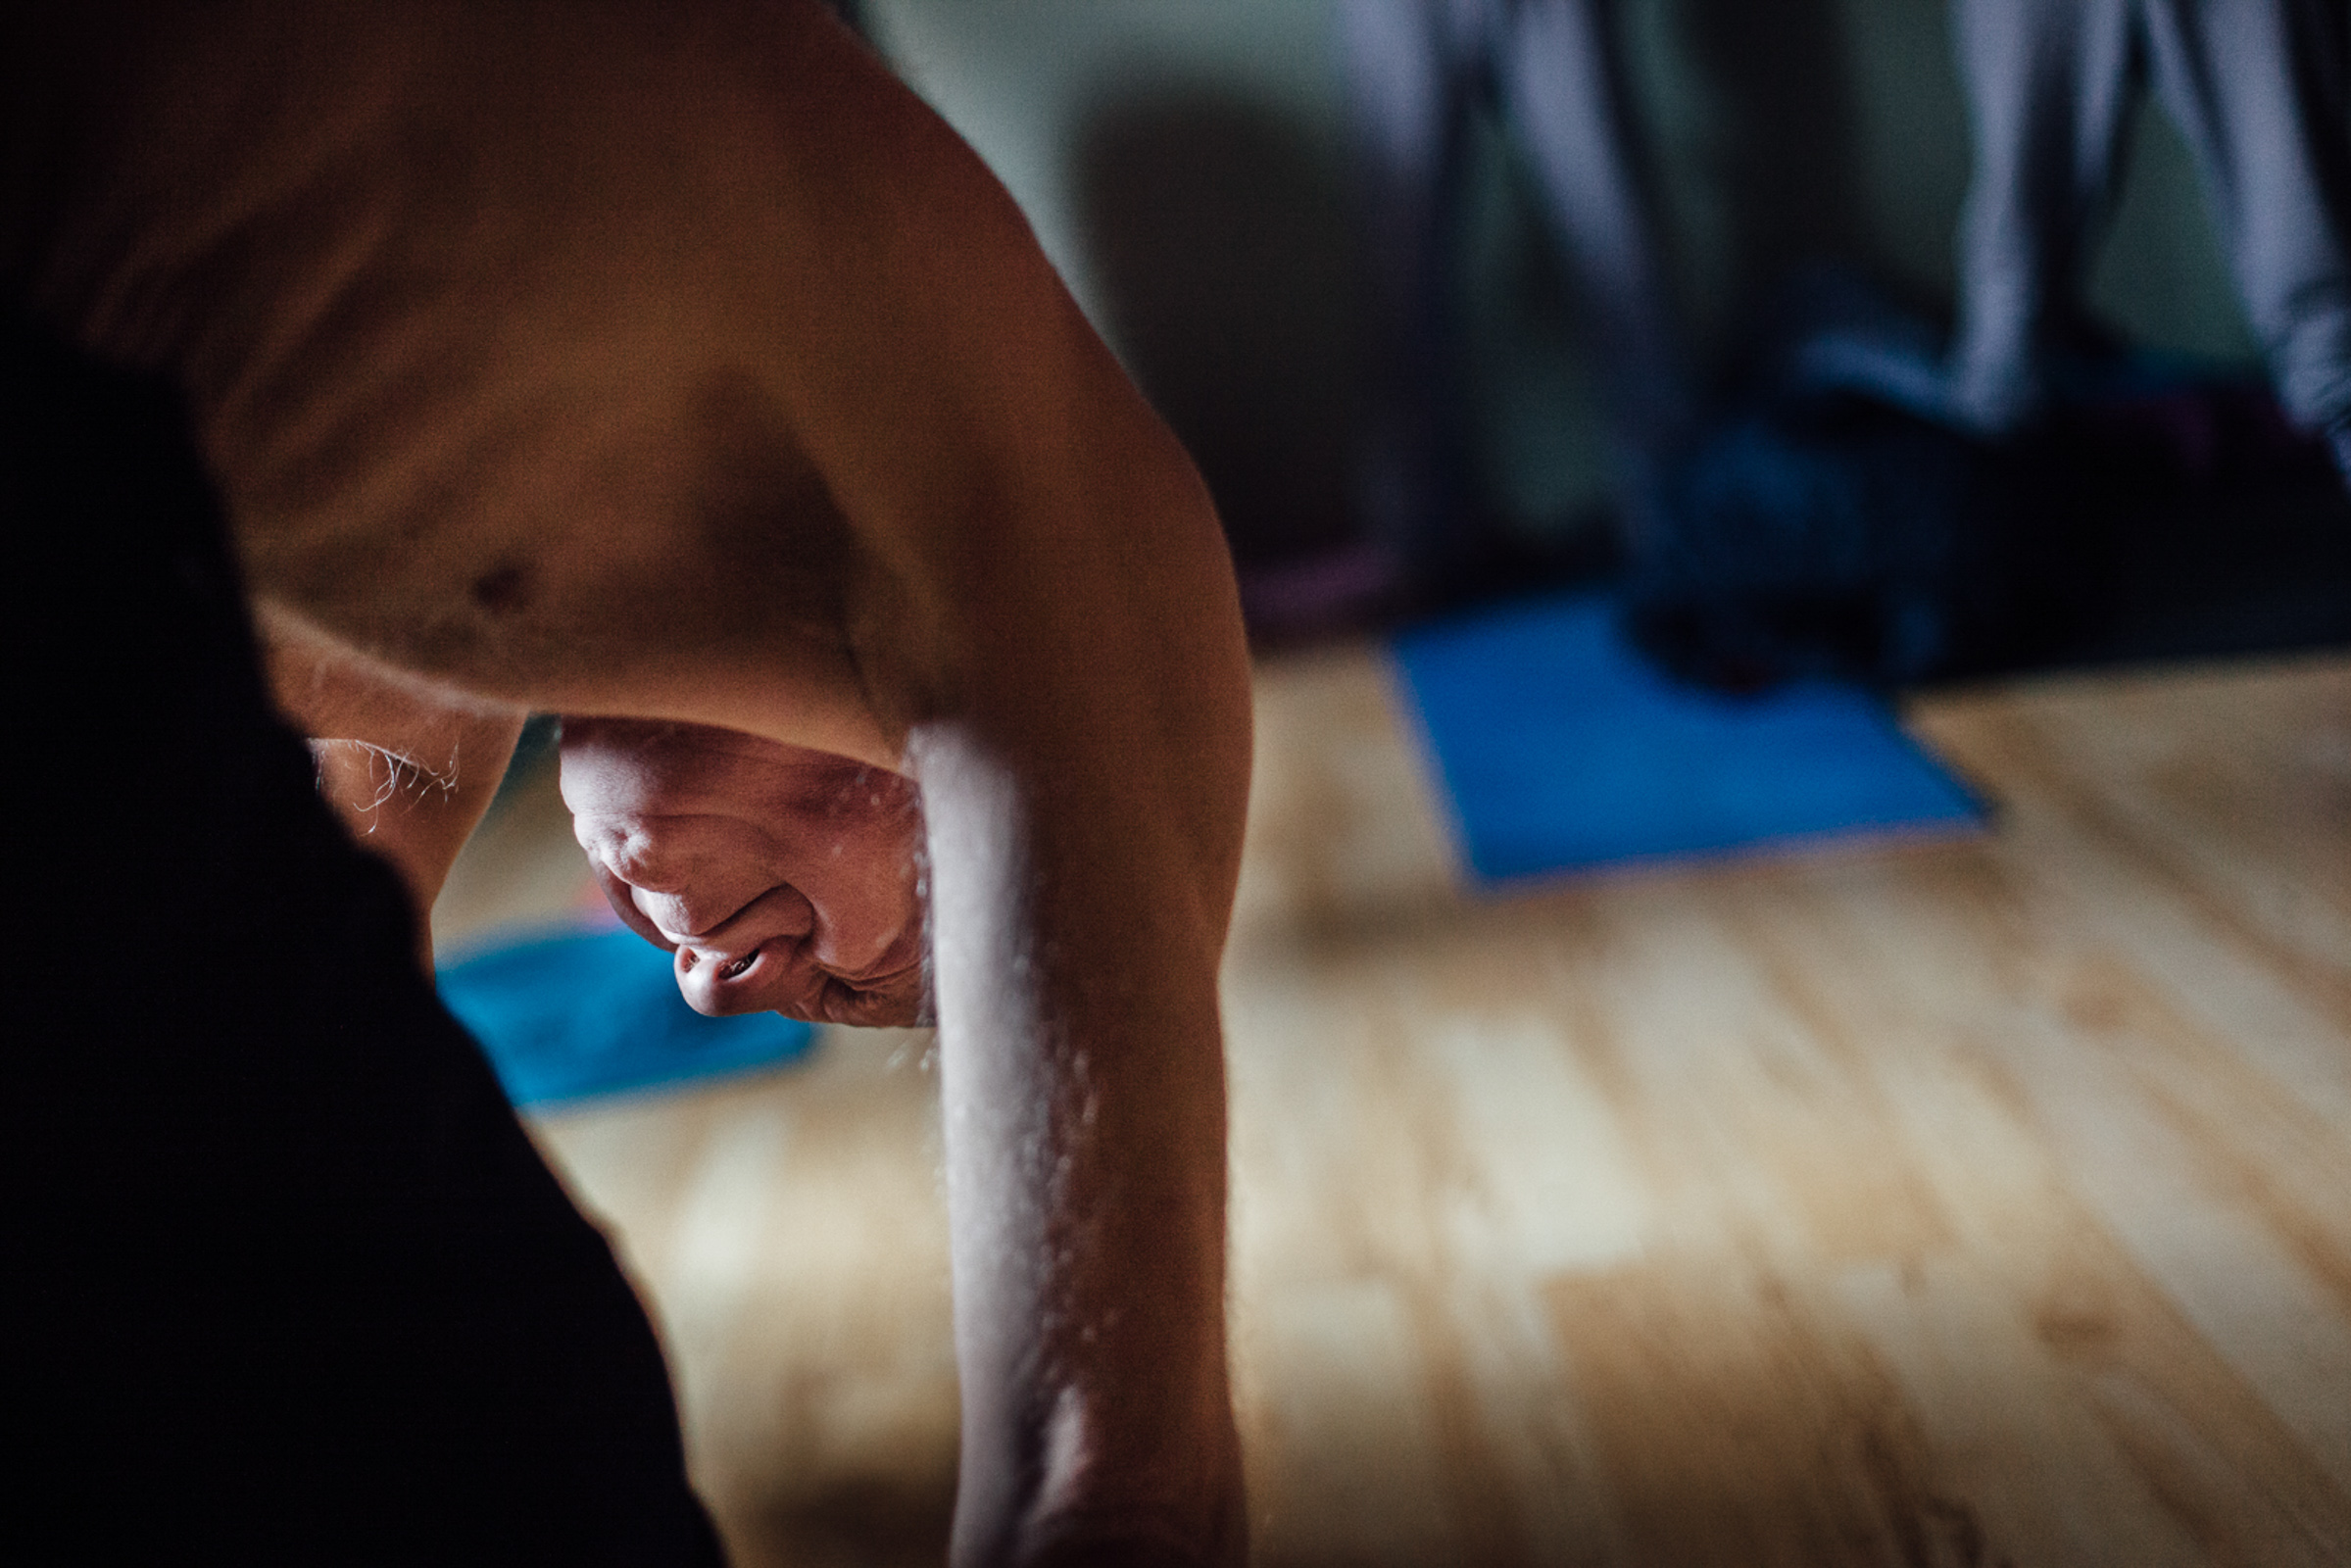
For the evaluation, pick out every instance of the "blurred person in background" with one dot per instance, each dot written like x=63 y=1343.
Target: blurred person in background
x=1416 y=71
x=1885 y=504
x=2256 y=88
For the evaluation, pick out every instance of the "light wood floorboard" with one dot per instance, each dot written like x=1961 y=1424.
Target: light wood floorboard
x=1983 y=1201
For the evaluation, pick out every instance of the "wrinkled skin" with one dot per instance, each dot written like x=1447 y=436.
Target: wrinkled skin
x=784 y=880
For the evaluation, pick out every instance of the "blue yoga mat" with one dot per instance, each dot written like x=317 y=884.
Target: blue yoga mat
x=1562 y=748
x=582 y=1013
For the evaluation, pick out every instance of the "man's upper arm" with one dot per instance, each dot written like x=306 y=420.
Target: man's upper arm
x=1051 y=570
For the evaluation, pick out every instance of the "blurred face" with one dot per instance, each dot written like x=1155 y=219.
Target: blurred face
x=783 y=880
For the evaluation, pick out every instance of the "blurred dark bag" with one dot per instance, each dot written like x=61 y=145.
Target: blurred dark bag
x=1836 y=538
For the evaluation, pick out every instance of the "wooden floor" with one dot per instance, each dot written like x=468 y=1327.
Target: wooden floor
x=1984 y=1201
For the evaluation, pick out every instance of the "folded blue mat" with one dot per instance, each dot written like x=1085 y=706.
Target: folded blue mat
x=1562 y=748
x=581 y=1013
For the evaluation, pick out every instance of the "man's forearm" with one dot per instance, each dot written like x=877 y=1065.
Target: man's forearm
x=1085 y=800
x=1082 y=1073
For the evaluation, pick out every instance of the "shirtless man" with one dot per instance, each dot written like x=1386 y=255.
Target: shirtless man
x=681 y=367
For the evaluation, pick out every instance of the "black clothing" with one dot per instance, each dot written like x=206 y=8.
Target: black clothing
x=285 y=1281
